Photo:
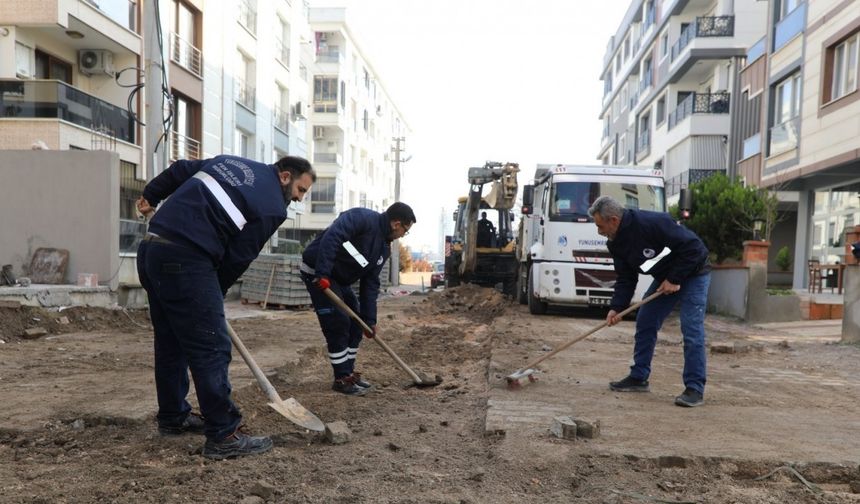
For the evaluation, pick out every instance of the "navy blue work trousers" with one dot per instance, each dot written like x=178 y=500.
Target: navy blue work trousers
x=187 y=311
x=342 y=334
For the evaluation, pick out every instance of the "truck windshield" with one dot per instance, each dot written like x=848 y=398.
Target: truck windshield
x=569 y=201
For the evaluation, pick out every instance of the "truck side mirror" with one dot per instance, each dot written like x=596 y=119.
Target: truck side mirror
x=528 y=199
x=456 y=212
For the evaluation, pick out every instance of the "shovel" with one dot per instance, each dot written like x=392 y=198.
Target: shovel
x=419 y=380
x=290 y=409
x=515 y=380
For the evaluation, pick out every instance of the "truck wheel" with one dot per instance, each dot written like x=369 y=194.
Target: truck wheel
x=536 y=306
x=522 y=284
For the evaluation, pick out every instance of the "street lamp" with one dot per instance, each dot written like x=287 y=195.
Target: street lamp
x=758 y=224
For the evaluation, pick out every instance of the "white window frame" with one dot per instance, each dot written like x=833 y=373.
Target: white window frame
x=794 y=89
x=845 y=64
x=315 y=195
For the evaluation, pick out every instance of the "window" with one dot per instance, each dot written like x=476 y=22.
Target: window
x=364 y=121
x=844 y=68
x=661 y=110
x=243 y=144
x=626 y=48
x=322 y=195
x=49 y=67
x=24 y=61
x=622 y=148
x=786 y=7
x=664 y=45
x=325 y=94
x=787 y=99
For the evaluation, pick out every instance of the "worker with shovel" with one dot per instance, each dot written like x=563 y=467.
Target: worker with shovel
x=220 y=213
x=653 y=243
x=354 y=248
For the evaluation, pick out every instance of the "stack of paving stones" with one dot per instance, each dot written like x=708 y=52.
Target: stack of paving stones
x=287 y=287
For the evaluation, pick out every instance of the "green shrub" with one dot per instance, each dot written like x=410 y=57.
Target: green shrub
x=783 y=259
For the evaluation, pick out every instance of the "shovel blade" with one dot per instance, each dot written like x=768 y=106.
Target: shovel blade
x=296 y=413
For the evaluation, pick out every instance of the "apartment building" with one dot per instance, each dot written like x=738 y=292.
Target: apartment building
x=799 y=122
x=354 y=125
x=670 y=73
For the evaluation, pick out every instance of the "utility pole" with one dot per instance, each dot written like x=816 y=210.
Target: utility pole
x=395 y=251
x=154 y=70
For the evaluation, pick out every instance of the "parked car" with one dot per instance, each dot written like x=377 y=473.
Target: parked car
x=438 y=276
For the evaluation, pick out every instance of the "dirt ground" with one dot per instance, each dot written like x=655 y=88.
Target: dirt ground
x=77 y=418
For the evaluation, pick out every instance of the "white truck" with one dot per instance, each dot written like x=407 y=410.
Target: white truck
x=561 y=258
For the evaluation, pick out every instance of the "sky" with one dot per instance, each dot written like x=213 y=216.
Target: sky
x=485 y=80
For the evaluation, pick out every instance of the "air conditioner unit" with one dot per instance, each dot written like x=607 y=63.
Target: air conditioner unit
x=298 y=111
x=95 y=61
x=319 y=132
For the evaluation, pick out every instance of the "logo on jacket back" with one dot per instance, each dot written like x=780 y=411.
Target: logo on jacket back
x=648 y=253
x=380 y=261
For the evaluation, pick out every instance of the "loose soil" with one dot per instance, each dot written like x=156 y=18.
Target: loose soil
x=77 y=423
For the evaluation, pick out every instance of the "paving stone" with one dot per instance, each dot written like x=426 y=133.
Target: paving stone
x=563 y=427
x=263 y=490
x=726 y=348
x=337 y=433
x=34 y=332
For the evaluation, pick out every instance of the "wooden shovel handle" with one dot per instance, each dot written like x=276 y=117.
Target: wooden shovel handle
x=629 y=309
x=346 y=309
x=264 y=382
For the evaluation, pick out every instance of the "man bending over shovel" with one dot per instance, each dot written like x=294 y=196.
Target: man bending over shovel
x=652 y=242
x=355 y=247
x=218 y=216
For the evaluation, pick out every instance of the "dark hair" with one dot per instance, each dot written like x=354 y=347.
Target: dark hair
x=296 y=166
x=400 y=212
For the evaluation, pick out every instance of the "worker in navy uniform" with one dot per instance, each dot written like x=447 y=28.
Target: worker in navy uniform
x=653 y=243
x=354 y=248
x=486 y=231
x=219 y=214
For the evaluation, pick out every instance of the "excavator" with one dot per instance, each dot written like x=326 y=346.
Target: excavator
x=479 y=253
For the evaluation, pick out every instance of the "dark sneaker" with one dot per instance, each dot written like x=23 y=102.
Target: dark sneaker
x=629 y=384
x=193 y=423
x=690 y=399
x=347 y=385
x=360 y=381
x=237 y=444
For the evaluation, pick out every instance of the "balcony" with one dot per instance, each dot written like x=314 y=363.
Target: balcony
x=700 y=103
x=756 y=51
x=248 y=17
x=783 y=137
x=710 y=26
x=282 y=53
x=57 y=100
x=643 y=142
x=183 y=147
x=184 y=54
x=789 y=26
x=245 y=95
x=751 y=146
x=328 y=158
x=646 y=81
x=122 y=12
x=326 y=107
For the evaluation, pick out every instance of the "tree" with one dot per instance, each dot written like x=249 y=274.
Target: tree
x=723 y=213
x=405 y=258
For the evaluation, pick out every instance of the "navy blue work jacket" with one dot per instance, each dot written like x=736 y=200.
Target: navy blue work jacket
x=226 y=207
x=354 y=247
x=642 y=239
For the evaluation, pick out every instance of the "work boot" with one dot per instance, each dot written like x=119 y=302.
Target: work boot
x=360 y=381
x=193 y=423
x=629 y=384
x=347 y=385
x=237 y=444
x=690 y=398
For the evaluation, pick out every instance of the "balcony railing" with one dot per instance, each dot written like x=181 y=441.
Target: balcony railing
x=58 y=100
x=248 y=16
x=710 y=26
x=282 y=53
x=644 y=141
x=245 y=94
x=282 y=119
x=325 y=107
x=700 y=103
x=327 y=157
x=124 y=12
x=183 y=147
x=783 y=137
x=330 y=55
x=789 y=26
x=752 y=146
x=184 y=54
x=646 y=81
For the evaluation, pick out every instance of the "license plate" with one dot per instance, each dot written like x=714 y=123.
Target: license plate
x=598 y=301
